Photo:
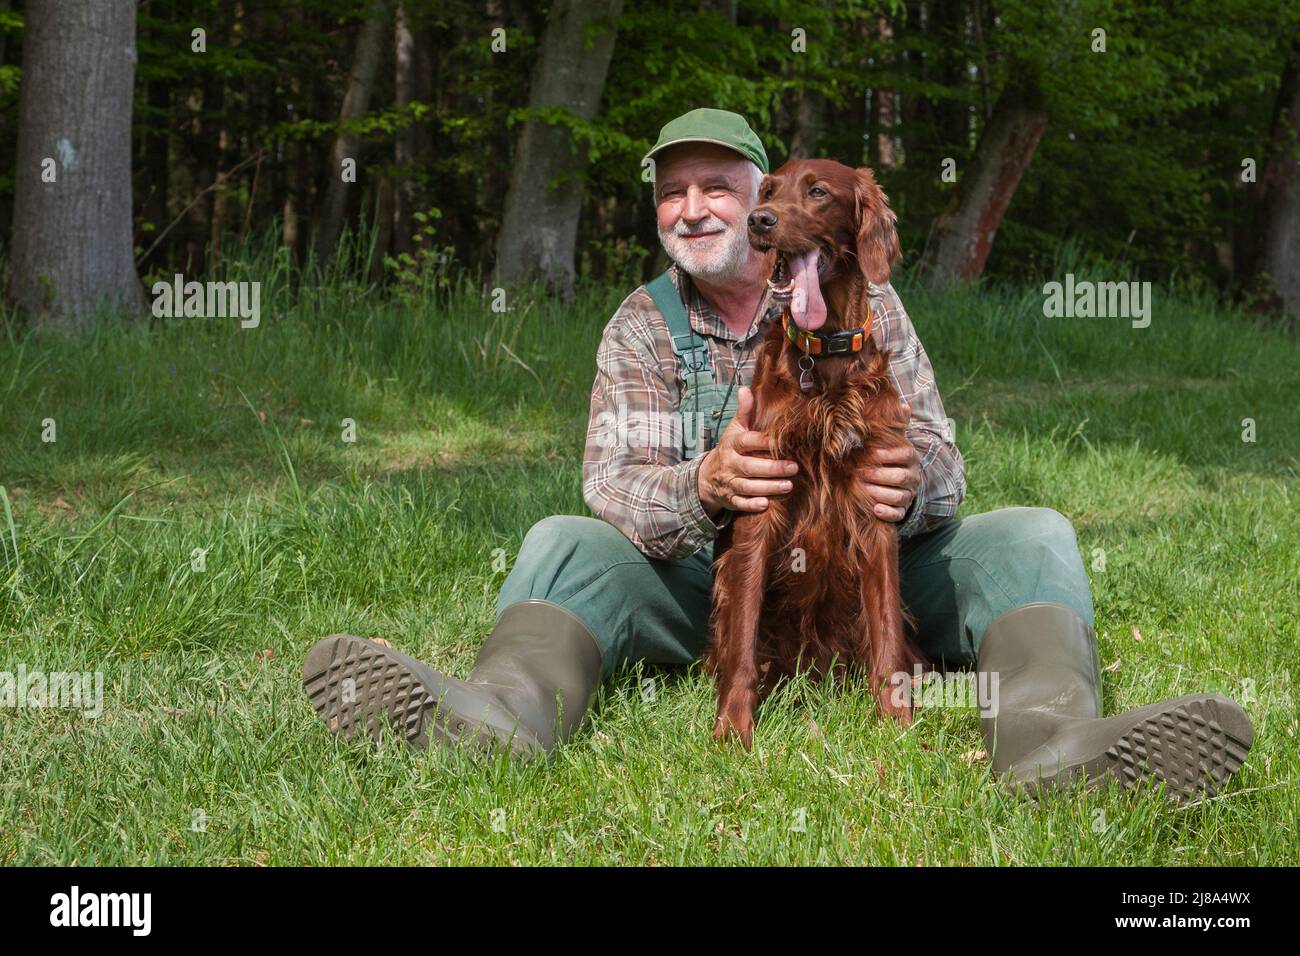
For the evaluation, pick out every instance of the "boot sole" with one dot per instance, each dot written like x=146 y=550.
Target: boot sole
x=1193 y=745
x=388 y=688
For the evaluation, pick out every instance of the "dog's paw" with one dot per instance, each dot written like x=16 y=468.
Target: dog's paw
x=901 y=714
x=894 y=697
x=735 y=727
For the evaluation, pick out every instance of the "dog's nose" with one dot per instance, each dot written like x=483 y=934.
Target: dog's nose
x=762 y=220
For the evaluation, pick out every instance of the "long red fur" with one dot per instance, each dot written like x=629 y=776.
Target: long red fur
x=843 y=610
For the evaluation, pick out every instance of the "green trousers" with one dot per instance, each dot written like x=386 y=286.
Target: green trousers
x=956 y=579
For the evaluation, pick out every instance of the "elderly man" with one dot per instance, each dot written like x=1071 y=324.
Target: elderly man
x=670 y=458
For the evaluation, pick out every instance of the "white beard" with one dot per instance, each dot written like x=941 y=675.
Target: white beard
x=720 y=257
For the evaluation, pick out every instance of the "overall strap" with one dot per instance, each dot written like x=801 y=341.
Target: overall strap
x=700 y=399
x=689 y=347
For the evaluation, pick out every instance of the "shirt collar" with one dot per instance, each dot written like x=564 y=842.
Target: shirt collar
x=702 y=316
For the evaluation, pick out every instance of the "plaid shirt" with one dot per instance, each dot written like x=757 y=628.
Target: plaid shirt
x=633 y=473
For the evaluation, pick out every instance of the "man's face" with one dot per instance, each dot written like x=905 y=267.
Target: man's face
x=703 y=194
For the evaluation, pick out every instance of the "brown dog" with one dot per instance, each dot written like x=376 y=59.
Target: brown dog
x=812 y=581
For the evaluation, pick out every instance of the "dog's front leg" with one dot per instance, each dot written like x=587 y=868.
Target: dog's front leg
x=739 y=585
x=893 y=654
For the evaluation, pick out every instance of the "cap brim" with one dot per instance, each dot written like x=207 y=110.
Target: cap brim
x=698 y=139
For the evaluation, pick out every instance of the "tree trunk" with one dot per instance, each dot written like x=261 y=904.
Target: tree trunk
x=807 y=124
x=1279 y=259
x=403 y=198
x=540 y=223
x=289 y=158
x=413 y=149
x=72 y=237
x=385 y=217
x=965 y=231
x=884 y=111
x=361 y=83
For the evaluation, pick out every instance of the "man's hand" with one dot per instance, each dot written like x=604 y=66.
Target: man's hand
x=892 y=477
x=732 y=478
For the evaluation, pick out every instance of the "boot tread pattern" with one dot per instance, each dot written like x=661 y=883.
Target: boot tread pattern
x=1186 y=748
x=383 y=688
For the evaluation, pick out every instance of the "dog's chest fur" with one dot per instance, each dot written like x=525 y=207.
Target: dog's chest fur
x=829 y=426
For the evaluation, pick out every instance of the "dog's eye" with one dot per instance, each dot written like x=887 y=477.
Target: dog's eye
x=817 y=192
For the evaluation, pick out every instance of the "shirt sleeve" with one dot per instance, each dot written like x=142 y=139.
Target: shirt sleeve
x=633 y=474
x=943 y=472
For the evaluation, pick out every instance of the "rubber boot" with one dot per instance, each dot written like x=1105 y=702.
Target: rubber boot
x=1048 y=730
x=529 y=689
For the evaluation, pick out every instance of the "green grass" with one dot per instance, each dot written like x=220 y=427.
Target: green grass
x=161 y=448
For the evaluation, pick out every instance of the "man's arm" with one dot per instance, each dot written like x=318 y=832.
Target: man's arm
x=633 y=475
x=943 y=479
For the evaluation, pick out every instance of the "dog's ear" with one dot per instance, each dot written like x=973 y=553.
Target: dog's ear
x=877 y=244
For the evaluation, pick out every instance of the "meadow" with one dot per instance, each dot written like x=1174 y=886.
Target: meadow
x=200 y=519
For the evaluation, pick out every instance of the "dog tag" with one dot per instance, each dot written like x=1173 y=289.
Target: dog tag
x=805 y=373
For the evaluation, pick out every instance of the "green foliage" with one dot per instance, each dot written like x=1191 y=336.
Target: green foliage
x=1140 y=160
x=431 y=270
x=1146 y=139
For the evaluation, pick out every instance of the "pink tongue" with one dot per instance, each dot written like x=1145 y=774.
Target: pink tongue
x=807 y=307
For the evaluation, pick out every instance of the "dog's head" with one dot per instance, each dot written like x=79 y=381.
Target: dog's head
x=826 y=222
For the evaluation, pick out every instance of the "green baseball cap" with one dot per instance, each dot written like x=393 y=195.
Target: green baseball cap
x=712 y=126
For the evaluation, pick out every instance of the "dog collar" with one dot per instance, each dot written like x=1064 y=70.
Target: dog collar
x=826 y=344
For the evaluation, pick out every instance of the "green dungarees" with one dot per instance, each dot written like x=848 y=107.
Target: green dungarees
x=956 y=578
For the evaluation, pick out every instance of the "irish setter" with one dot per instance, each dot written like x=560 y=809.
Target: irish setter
x=811 y=583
